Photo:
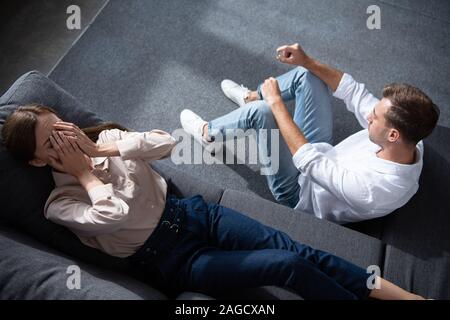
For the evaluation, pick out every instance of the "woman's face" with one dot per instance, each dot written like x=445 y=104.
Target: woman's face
x=44 y=149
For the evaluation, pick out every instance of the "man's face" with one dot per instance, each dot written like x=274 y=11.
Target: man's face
x=379 y=132
x=44 y=149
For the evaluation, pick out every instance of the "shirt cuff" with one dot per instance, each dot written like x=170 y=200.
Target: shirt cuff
x=101 y=192
x=346 y=80
x=303 y=156
x=127 y=147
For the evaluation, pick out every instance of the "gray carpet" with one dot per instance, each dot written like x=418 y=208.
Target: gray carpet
x=34 y=35
x=141 y=62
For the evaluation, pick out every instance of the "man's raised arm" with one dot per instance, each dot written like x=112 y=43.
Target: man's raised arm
x=295 y=55
x=355 y=95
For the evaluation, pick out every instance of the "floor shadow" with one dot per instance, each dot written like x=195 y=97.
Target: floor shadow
x=256 y=182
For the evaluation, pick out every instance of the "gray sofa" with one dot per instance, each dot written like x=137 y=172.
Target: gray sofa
x=411 y=246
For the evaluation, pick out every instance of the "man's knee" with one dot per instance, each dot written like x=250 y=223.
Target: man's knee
x=300 y=70
x=305 y=80
x=315 y=83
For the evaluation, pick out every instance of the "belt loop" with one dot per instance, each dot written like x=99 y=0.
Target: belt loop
x=175 y=227
x=165 y=223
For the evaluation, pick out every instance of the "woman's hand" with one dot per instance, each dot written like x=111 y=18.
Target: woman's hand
x=293 y=54
x=71 y=160
x=82 y=140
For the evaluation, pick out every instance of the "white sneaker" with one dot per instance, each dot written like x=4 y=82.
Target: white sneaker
x=193 y=125
x=234 y=92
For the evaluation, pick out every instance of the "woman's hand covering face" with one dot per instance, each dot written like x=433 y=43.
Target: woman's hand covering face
x=81 y=139
x=71 y=159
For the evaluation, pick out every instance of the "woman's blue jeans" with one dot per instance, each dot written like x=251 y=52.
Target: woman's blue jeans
x=312 y=114
x=208 y=248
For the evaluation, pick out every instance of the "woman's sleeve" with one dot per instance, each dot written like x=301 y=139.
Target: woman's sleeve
x=105 y=214
x=151 y=145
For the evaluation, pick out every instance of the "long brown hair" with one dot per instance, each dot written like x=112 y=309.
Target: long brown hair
x=19 y=135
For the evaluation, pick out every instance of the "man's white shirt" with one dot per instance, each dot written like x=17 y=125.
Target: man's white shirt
x=348 y=182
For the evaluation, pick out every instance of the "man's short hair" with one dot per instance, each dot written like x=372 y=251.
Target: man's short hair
x=412 y=112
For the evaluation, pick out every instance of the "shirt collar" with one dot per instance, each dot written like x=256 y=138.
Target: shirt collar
x=390 y=167
x=98 y=160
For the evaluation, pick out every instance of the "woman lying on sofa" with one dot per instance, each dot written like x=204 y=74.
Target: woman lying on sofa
x=108 y=195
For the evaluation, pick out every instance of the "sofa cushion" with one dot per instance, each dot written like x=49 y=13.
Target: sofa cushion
x=307 y=229
x=426 y=275
x=30 y=270
x=185 y=185
x=34 y=87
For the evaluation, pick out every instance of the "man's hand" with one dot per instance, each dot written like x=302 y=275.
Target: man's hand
x=293 y=54
x=82 y=140
x=292 y=135
x=71 y=159
x=271 y=91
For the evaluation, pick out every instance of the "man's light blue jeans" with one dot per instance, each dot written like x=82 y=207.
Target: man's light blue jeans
x=312 y=114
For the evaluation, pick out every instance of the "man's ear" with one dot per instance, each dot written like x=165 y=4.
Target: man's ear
x=394 y=135
x=37 y=163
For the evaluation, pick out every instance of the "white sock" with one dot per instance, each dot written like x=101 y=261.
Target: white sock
x=247 y=94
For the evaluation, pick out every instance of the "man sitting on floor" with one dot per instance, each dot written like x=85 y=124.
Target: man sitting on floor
x=368 y=175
